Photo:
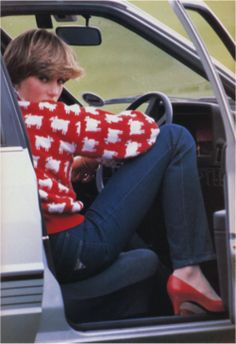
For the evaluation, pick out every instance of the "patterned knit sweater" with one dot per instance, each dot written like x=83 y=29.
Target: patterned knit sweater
x=58 y=132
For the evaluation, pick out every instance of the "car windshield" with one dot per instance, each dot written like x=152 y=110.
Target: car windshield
x=125 y=64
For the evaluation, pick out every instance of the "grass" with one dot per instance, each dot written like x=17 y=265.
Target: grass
x=224 y=10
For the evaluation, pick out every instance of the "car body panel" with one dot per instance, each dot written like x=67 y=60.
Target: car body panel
x=21 y=255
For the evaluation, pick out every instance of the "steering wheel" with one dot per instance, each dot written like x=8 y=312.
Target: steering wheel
x=158 y=107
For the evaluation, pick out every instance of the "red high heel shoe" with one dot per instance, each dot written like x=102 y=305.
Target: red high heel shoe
x=180 y=291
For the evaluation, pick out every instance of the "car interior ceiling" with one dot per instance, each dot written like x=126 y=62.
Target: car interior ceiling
x=204 y=122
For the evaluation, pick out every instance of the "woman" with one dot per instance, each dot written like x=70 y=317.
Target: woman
x=39 y=63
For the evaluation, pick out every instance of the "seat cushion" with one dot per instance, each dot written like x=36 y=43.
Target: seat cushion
x=133 y=286
x=129 y=268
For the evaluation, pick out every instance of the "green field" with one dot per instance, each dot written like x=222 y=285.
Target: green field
x=224 y=10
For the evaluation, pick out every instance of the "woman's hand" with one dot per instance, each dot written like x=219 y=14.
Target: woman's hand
x=83 y=169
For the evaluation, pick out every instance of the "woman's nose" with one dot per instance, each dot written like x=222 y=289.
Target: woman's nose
x=54 y=90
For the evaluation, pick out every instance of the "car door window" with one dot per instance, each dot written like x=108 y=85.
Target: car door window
x=224 y=11
x=215 y=46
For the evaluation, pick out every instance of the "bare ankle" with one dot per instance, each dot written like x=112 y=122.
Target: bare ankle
x=187 y=272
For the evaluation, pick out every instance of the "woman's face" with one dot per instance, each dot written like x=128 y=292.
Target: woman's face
x=38 y=89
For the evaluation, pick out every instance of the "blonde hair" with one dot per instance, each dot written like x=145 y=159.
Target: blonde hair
x=39 y=52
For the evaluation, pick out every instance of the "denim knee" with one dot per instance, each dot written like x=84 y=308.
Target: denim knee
x=180 y=137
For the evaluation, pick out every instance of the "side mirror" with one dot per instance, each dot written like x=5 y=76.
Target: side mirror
x=93 y=99
x=79 y=35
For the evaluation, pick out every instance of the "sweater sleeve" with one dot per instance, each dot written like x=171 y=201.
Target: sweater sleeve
x=96 y=133
x=121 y=136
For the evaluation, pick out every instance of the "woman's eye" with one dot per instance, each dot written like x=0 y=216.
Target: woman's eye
x=43 y=78
x=61 y=81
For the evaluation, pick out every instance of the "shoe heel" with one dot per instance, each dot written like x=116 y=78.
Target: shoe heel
x=176 y=303
x=179 y=292
x=189 y=309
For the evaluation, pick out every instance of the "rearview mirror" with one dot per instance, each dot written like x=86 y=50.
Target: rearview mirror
x=79 y=35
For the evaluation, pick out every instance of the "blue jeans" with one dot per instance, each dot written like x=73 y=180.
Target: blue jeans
x=170 y=165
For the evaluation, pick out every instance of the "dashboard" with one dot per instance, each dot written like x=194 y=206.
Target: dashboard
x=204 y=123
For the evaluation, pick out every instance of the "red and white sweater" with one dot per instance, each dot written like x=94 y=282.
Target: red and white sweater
x=58 y=132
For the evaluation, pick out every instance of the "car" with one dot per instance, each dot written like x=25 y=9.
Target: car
x=129 y=57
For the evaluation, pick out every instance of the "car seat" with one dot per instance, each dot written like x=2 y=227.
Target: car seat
x=127 y=288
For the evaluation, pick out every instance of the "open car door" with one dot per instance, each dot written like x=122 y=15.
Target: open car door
x=227 y=215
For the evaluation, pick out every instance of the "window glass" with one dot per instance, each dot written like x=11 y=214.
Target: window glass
x=125 y=64
x=214 y=44
x=15 y=25
x=224 y=10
